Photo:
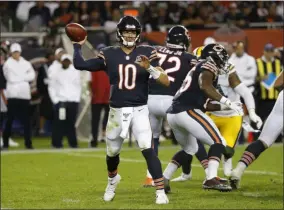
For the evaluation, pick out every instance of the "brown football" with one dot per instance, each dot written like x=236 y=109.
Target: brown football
x=75 y=32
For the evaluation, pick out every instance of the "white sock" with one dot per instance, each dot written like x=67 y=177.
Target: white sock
x=206 y=172
x=148 y=174
x=240 y=169
x=212 y=169
x=160 y=191
x=228 y=166
x=171 y=168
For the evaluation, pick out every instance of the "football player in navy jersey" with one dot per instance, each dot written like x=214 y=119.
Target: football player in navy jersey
x=176 y=62
x=129 y=68
x=188 y=121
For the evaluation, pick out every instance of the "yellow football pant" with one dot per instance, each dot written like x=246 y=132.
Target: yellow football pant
x=229 y=127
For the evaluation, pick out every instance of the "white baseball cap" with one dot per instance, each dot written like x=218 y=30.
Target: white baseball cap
x=15 y=47
x=66 y=56
x=209 y=40
x=58 y=50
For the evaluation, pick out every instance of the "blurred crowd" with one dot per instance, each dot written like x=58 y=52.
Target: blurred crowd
x=30 y=16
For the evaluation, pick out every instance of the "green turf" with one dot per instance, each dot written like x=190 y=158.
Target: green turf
x=77 y=179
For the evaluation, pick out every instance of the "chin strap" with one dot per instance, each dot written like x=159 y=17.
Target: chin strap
x=128 y=44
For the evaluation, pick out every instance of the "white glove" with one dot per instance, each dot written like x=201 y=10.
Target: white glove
x=255 y=118
x=237 y=106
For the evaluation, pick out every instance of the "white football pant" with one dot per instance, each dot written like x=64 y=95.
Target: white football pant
x=139 y=123
x=274 y=123
x=158 y=105
x=194 y=124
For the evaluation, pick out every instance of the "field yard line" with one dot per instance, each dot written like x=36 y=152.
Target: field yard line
x=166 y=162
x=68 y=150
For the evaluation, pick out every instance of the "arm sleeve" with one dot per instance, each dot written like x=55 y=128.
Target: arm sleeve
x=30 y=74
x=95 y=64
x=52 y=90
x=246 y=94
x=10 y=76
x=252 y=73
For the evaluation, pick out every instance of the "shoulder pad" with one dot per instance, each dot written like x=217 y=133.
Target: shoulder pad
x=210 y=67
x=146 y=47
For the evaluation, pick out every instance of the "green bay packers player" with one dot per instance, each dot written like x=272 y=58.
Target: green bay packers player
x=229 y=122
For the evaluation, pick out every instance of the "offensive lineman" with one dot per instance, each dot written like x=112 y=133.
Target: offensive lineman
x=176 y=62
x=231 y=87
x=129 y=67
x=272 y=128
x=188 y=121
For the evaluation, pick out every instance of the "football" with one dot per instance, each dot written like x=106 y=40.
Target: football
x=75 y=32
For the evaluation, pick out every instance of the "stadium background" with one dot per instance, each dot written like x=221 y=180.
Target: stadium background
x=76 y=178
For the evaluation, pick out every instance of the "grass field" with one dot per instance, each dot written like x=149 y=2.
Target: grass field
x=76 y=178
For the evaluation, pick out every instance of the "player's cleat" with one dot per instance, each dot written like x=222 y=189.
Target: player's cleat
x=215 y=184
x=222 y=180
x=161 y=197
x=235 y=181
x=182 y=178
x=111 y=186
x=167 y=185
x=148 y=182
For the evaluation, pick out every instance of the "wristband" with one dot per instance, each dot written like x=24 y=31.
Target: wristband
x=154 y=72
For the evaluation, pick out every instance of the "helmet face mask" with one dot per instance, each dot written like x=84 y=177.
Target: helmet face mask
x=178 y=38
x=128 y=31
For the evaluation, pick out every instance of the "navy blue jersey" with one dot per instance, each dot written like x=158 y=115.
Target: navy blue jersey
x=190 y=96
x=176 y=64
x=129 y=81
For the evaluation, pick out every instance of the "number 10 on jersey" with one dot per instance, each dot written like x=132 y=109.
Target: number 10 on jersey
x=127 y=79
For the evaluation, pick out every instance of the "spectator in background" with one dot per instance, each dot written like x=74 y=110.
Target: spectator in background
x=280 y=9
x=66 y=98
x=262 y=12
x=107 y=11
x=46 y=112
x=3 y=100
x=56 y=63
x=272 y=14
x=218 y=11
x=189 y=16
x=18 y=73
x=265 y=65
x=174 y=13
x=204 y=16
x=62 y=15
x=234 y=16
x=40 y=10
x=22 y=10
x=95 y=19
x=245 y=65
x=162 y=14
x=249 y=15
x=100 y=89
x=7 y=16
x=150 y=17
x=82 y=15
